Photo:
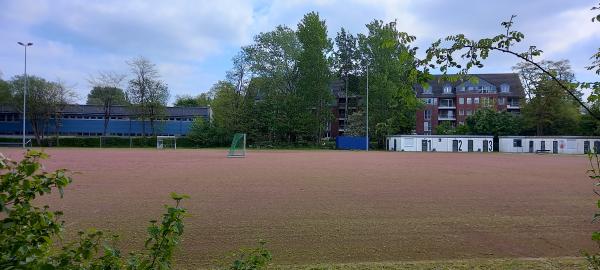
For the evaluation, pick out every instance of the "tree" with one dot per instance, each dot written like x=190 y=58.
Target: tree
x=239 y=75
x=60 y=95
x=445 y=128
x=313 y=70
x=107 y=97
x=147 y=94
x=107 y=79
x=156 y=103
x=273 y=62
x=345 y=59
x=201 y=100
x=5 y=93
x=205 y=134
x=45 y=100
x=486 y=121
x=549 y=109
x=356 y=124
x=226 y=107
x=391 y=64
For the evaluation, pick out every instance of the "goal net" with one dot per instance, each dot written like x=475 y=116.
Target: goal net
x=238 y=146
x=165 y=142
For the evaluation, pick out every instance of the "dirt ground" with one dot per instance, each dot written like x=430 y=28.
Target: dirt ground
x=336 y=206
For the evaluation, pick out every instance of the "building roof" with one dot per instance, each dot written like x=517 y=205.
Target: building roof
x=495 y=79
x=549 y=137
x=441 y=136
x=122 y=110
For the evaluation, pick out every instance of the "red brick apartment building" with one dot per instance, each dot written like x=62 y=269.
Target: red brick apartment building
x=454 y=102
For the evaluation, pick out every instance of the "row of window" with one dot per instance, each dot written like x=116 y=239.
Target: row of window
x=15 y=117
x=447 y=89
x=449 y=114
x=122 y=118
x=487 y=101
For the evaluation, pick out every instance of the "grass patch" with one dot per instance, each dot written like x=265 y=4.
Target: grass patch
x=499 y=264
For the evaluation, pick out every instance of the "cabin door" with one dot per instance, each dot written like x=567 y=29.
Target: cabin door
x=530 y=146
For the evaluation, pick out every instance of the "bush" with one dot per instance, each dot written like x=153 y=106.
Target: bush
x=252 y=259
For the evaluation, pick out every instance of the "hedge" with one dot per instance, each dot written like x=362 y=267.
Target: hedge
x=150 y=142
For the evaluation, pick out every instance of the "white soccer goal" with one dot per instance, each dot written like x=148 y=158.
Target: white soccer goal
x=163 y=142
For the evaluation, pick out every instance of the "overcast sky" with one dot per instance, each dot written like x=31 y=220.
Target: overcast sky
x=192 y=42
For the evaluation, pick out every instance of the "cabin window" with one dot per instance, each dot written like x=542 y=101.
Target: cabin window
x=517 y=143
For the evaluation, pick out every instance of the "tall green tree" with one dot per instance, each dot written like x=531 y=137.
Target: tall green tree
x=345 y=60
x=549 y=109
x=273 y=61
x=225 y=107
x=313 y=70
x=391 y=64
x=107 y=97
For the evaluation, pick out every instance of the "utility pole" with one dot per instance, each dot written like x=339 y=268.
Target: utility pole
x=25 y=45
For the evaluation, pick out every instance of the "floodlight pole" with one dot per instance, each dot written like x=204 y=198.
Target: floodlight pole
x=367 y=142
x=25 y=45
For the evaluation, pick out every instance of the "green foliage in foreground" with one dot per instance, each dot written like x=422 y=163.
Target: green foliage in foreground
x=28 y=231
x=594 y=174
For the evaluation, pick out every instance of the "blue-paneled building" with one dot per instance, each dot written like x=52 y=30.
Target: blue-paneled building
x=88 y=120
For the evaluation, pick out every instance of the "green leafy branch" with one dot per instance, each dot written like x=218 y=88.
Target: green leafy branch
x=445 y=54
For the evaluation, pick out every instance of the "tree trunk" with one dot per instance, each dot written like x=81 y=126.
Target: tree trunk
x=107 y=113
x=35 y=129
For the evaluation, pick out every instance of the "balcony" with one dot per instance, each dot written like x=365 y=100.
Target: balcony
x=513 y=105
x=446 y=116
x=447 y=104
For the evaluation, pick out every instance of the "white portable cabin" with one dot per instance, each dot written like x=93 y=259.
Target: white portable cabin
x=548 y=144
x=440 y=143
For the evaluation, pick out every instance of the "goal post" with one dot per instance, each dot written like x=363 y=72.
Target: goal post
x=238 y=146
x=163 y=142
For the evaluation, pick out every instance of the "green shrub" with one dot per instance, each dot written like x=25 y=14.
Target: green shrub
x=252 y=259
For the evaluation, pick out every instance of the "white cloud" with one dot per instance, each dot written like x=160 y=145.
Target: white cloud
x=559 y=33
x=192 y=42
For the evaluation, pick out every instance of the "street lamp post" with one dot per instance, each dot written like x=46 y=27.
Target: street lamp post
x=25 y=45
x=367 y=106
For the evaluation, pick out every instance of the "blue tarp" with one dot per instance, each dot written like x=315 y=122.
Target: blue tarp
x=351 y=143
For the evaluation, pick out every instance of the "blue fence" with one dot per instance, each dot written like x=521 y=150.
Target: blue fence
x=351 y=143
